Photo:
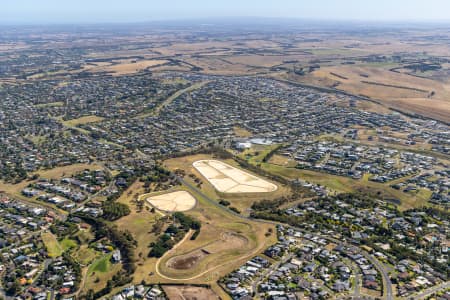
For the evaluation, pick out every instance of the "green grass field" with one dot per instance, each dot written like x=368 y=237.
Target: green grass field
x=99 y=272
x=85 y=255
x=340 y=184
x=67 y=244
x=101 y=265
x=52 y=245
x=257 y=153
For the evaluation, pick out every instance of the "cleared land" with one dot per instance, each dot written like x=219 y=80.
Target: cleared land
x=175 y=201
x=82 y=120
x=241 y=132
x=126 y=66
x=227 y=241
x=228 y=179
x=51 y=104
x=176 y=292
x=241 y=201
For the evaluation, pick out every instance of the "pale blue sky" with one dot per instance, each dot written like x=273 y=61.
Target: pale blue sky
x=94 y=11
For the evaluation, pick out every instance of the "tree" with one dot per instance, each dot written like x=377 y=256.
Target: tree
x=114 y=210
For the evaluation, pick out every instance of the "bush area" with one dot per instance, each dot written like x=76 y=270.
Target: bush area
x=114 y=210
x=269 y=204
x=122 y=240
x=174 y=233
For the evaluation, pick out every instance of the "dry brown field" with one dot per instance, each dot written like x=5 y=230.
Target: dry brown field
x=411 y=94
x=183 y=292
x=125 y=67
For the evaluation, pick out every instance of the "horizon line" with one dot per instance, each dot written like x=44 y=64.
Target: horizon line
x=225 y=18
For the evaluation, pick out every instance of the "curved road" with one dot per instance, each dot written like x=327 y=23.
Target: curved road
x=258 y=250
x=387 y=284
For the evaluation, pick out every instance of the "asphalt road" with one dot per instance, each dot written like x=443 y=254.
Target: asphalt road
x=432 y=290
x=387 y=284
x=268 y=272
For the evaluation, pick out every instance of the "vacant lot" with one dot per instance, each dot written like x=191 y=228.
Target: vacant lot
x=175 y=201
x=82 y=120
x=127 y=66
x=52 y=245
x=176 y=292
x=227 y=241
x=85 y=255
x=228 y=179
x=58 y=172
x=67 y=244
x=241 y=132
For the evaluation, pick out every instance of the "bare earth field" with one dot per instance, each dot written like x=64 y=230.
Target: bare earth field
x=171 y=202
x=228 y=179
x=177 y=292
x=227 y=241
x=241 y=201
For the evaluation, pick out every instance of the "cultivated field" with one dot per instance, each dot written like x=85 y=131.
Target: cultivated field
x=228 y=179
x=175 y=201
x=125 y=67
x=412 y=94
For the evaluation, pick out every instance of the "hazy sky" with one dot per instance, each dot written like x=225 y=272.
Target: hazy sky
x=94 y=11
